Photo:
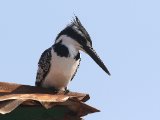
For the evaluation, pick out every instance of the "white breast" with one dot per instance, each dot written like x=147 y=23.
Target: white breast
x=61 y=71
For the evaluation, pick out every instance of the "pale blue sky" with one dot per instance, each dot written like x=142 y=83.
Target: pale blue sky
x=125 y=34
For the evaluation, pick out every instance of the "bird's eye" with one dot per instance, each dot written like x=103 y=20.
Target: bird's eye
x=60 y=41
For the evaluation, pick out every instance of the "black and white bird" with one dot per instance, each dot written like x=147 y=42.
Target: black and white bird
x=59 y=63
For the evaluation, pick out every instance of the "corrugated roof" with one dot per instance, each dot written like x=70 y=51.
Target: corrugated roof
x=14 y=96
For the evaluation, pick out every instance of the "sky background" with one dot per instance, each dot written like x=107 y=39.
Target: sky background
x=125 y=34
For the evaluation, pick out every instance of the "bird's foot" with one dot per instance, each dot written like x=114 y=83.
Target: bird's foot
x=54 y=89
x=60 y=91
x=66 y=91
x=63 y=91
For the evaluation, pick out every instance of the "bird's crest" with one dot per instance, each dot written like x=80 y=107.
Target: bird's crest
x=76 y=23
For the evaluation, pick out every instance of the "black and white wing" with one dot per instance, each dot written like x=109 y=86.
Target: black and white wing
x=43 y=66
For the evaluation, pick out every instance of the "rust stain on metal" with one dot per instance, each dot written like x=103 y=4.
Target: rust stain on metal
x=15 y=95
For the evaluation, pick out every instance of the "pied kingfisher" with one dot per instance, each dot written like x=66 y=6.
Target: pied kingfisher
x=59 y=63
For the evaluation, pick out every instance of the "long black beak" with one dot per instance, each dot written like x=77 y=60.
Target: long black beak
x=92 y=53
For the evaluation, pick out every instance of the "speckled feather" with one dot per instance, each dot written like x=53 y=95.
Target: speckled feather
x=43 y=66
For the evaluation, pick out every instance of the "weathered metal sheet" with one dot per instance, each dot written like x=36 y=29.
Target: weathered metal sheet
x=14 y=96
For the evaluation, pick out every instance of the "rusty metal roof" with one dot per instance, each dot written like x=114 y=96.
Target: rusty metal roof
x=14 y=96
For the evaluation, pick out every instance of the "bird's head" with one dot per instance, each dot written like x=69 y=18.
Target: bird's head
x=76 y=35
